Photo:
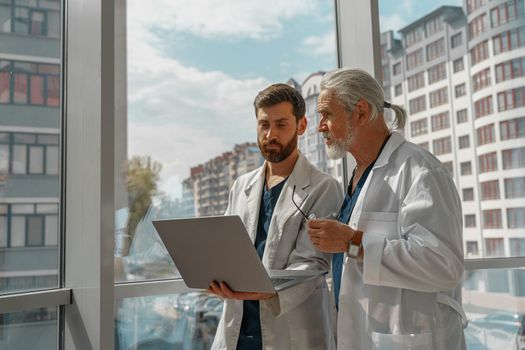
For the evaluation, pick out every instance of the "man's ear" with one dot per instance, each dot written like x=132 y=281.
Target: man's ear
x=301 y=125
x=362 y=111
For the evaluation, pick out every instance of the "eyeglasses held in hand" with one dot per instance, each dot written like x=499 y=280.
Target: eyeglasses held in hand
x=309 y=217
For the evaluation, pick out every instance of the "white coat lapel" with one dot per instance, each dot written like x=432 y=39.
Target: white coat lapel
x=392 y=144
x=284 y=208
x=253 y=196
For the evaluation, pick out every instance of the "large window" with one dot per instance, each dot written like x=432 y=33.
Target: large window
x=506 y=12
x=416 y=81
x=509 y=40
x=437 y=73
x=30 y=169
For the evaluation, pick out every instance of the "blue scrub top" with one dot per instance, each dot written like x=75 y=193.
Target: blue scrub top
x=344 y=216
x=250 y=337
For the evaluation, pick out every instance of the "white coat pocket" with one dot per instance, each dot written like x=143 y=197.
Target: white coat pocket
x=421 y=341
x=380 y=223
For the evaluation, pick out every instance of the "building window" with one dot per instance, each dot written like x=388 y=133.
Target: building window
x=29 y=224
x=437 y=73
x=516 y=217
x=515 y=187
x=506 y=12
x=473 y=5
x=477 y=26
x=442 y=146
x=29 y=83
x=418 y=127
x=517 y=246
x=435 y=49
x=494 y=247
x=492 y=218
x=414 y=59
x=470 y=220
x=458 y=65
x=440 y=121
x=460 y=90
x=485 y=135
x=472 y=248
x=416 y=81
x=38 y=18
x=511 y=69
x=417 y=104
x=481 y=80
x=434 y=26
x=513 y=158
x=512 y=129
x=36 y=154
x=414 y=36
x=396 y=68
x=464 y=142
x=479 y=53
x=483 y=107
x=398 y=90
x=511 y=99
x=509 y=40
x=438 y=97
x=489 y=190
x=468 y=194
x=456 y=40
x=466 y=168
x=488 y=162
x=462 y=116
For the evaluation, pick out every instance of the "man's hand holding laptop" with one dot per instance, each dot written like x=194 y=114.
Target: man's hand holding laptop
x=222 y=290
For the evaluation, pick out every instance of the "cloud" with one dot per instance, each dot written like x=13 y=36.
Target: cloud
x=322 y=45
x=393 y=22
x=238 y=19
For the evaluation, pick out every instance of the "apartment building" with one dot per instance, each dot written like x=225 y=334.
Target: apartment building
x=459 y=73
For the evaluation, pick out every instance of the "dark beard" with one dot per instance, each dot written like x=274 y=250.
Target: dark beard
x=277 y=156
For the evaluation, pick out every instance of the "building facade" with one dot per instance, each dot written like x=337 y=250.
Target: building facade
x=459 y=72
x=210 y=183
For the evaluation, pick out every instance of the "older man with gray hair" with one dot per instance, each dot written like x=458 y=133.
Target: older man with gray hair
x=398 y=236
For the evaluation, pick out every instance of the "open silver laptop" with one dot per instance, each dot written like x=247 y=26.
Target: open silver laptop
x=218 y=248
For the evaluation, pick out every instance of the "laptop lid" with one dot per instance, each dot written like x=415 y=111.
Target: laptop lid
x=216 y=248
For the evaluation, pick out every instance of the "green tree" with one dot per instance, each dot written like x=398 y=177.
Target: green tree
x=142 y=176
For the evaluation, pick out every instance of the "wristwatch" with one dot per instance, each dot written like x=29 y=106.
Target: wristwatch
x=355 y=245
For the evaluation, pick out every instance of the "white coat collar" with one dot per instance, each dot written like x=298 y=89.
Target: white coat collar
x=395 y=140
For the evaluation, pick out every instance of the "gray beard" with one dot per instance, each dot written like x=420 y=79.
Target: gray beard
x=338 y=148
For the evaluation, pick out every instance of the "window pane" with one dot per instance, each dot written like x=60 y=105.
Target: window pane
x=36 y=160
x=19 y=159
x=52 y=161
x=35 y=234
x=3 y=231
x=30 y=76
x=225 y=57
x=480 y=83
x=51 y=230
x=179 y=321
x=18 y=231
x=30 y=329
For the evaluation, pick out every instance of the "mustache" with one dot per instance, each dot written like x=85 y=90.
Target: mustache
x=272 y=142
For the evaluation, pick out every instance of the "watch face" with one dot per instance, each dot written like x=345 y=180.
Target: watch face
x=353 y=250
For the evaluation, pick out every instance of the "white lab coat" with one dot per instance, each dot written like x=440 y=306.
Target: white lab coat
x=406 y=293
x=300 y=317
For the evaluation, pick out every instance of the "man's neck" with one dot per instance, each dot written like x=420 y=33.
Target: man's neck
x=276 y=172
x=364 y=156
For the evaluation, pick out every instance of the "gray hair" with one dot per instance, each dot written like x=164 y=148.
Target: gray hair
x=352 y=85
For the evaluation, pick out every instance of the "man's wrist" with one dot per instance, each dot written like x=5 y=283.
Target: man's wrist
x=354 y=246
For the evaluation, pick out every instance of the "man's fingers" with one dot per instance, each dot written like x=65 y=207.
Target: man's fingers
x=226 y=290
